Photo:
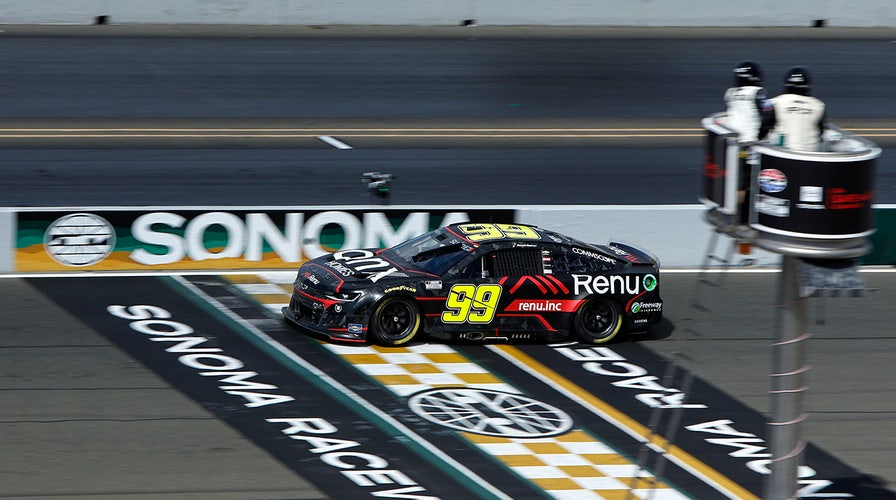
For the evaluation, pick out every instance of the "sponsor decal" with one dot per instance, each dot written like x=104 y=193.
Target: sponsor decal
x=542 y=305
x=355 y=328
x=80 y=239
x=649 y=282
x=769 y=205
x=593 y=255
x=361 y=260
x=340 y=268
x=603 y=284
x=193 y=239
x=645 y=307
x=468 y=303
x=312 y=278
x=799 y=110
x=547 y=262
x=811 y=198
x=772 y=180
x=711 y=169
x=401 y=288
x=618 y=251
x=812 y=194
x=622 y=253
x=840 y=199
x=365 y=261
x=432 y=284
x=490 y=413
x=487 y=232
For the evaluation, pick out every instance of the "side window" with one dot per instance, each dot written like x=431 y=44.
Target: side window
x=566 y=260
x=604 y=265
x=475 y=269
x=569 y=263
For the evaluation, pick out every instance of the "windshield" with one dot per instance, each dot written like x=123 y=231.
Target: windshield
x=434 y=252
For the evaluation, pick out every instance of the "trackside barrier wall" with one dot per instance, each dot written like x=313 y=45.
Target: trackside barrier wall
x=7 y=240
x=99 y=239
x=868 y=13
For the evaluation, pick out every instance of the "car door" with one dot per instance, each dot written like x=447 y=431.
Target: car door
x=508 y=289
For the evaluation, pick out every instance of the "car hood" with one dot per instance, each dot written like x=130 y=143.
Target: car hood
x=332 y=273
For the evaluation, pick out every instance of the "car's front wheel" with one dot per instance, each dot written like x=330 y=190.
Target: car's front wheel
x=395 y=321
x=598 y=321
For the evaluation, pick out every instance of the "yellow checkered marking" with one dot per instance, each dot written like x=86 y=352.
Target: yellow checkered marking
x=243 y=279
x=574 y=465
x=570 y=466
x=408 y=370
x=272 y=290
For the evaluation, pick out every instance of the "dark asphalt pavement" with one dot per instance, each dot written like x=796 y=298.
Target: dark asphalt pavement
x=77 y=78
x=72 y=402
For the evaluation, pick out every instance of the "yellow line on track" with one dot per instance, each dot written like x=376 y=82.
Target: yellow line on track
x=322 y=131
x=298 y=136
x=274 y=133
x=626 y=421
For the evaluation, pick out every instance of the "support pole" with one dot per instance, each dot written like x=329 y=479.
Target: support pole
x=788 y=385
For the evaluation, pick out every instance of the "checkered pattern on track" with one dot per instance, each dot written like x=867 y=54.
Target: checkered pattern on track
x=272 y=290
x=409 y=370
x=573 y=465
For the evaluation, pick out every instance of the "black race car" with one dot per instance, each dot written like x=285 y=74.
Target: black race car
x=479 y=282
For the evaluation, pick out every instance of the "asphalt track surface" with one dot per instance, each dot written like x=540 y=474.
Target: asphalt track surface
x=107 y=120
x=92 y=408
x=242 y=116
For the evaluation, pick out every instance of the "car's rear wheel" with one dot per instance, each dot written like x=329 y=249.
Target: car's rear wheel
x=395 y=321
x=598 y=321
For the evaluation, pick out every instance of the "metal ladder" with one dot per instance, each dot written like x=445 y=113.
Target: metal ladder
x=705 y=276
x=661 y=437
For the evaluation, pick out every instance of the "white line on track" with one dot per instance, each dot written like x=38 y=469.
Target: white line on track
x=367 y=405
x=572 y=396
x=218 y=272
x=336 y=143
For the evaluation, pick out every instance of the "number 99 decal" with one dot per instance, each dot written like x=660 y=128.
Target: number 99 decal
x=471 y=303
x=483 y=232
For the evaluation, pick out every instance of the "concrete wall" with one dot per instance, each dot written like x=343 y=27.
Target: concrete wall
x=837 y=13
x=677 y=234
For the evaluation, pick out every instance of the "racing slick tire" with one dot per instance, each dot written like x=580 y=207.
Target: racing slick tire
x=598 y=321
x=395 y=321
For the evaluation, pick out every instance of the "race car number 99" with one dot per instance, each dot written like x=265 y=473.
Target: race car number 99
x=471 y=303
x=483 y=232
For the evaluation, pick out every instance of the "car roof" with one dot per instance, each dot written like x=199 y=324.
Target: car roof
x=488 y=232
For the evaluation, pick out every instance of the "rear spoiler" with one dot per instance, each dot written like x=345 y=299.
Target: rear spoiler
x=634 y=254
